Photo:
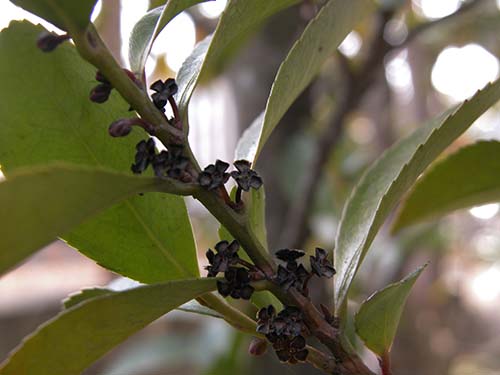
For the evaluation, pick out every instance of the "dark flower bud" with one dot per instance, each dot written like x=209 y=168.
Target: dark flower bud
x=214 y=176
x=48 y=42
x=257 y=347
x=120 y=128
x=100 y=93
x=245 y=177
x=320 y=265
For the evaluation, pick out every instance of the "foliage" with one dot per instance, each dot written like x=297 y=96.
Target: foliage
x=67 y=178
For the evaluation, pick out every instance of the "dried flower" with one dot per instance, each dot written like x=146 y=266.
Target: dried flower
x=320 y=265
x=144 y=156
x=163 y=91
x=245 y=177
x=214 y=176
x=236 y=284
x=226 y=255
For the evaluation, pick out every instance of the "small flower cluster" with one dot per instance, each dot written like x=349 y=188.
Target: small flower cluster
x=295 y=274
x=215 y=176
x=285 y=332
x=169 y=163
x=225 y=259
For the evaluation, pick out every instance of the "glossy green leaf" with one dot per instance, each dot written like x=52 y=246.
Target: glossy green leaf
x=149 y=27
x=78 y=336
x=304 y=61
x=238 y=19
x=47 y=202
x=46 y=116
x=387 y=180
x=378 y=317
x=67 y=15
x=470 y=177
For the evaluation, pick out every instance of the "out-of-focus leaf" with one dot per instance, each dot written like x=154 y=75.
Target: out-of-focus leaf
x=46 y=116
x=149 y=27
x=470 y=177
x=238 y=19
x=80 y=335
x=42 y=203
x=67 y=15
x=378 y=317
x=385 y=182
x=304 y=61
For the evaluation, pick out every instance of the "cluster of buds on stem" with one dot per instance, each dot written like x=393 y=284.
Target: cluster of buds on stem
x=171 y=163
x=215 y=176
x=296 y=275
x=238 y=273
x=285 y=331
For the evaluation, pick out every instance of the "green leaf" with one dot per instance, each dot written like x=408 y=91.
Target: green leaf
x=149 y=27
x=46 y=202
x=378 y=317
x=470 y=177
x=84 y=295
x=320 y=39
x=67 y=15
x=385 y=182
x=46 y=116
x=240 y=18
x=78 y=336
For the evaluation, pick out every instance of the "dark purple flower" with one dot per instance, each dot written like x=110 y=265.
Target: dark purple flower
x=214 y=176
x=246 y=177
x=226 y=255
x=163 y=91
x=145 y=153
x=320 y=265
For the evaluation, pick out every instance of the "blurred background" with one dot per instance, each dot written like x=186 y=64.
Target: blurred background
x=404 y=65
